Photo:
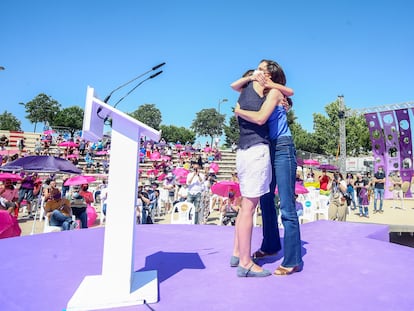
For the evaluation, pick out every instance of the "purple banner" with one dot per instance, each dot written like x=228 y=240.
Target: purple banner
x=405 y=141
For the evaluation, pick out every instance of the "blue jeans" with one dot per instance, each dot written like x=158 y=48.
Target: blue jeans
x=285 y=174
x=59 y=219
x=352 y=194
x=82 y=215
x=144 y=213
x=378 y=194
x=195 y=199
x=271 y=238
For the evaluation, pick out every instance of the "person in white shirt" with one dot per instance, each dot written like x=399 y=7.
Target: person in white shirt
x=195 y=183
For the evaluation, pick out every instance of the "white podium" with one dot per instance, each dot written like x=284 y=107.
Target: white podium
x=118 y=285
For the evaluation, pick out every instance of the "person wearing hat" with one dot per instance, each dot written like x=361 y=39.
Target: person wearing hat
x=59 y=212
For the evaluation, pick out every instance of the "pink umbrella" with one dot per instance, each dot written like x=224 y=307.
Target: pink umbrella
x=48 y=132
x=71 y=156
x=222 y=188
x=207 y=149
x=180 y=172
x=153 y=171
x=185 y=153
x=215 y=167
x=68 y=144
x=155 y=156
x=311 y=162
x=161 y=177
x=9 y=151
x=101 y=152
x=165 y=158
x=79 y=180
x=9 y=227
x=182 y=180
x=299 y=189
x=10 y=176
x=178 y=146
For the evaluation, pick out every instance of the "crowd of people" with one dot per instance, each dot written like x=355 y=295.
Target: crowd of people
x=160 y=186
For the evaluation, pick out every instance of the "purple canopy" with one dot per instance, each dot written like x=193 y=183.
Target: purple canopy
x=328 y=167
x=46 y=164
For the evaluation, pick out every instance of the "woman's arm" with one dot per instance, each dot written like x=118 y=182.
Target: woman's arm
x=238 y=84
x=264 y=81
x=260 y=117
x=269 y=84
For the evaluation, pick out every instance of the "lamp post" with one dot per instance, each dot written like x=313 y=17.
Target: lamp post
x=221 y=101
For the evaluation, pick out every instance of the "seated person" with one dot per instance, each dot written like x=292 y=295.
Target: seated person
x=78 y=204
x=299 y=206
x=59 y=212
x=9 y=196
x=230 y=208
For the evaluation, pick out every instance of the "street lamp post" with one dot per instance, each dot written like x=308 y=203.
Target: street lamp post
x=221 y=101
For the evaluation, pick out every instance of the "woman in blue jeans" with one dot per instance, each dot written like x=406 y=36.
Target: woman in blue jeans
x=283 y=155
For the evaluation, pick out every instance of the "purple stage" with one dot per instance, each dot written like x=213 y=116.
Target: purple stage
x=348 y=266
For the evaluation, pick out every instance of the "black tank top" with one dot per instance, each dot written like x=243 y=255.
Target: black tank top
x=250 y=133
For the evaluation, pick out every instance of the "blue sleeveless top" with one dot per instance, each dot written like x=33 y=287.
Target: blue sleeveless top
x=250 y=133
x=278 y=125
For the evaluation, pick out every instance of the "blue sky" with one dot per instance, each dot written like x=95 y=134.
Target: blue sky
x=360 y=49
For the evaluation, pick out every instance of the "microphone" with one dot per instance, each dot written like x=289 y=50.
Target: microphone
x=141 y=75
x=133 y=89
x=154 y=75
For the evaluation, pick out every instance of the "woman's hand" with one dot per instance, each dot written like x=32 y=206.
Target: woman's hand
x=260 y=77
x=237 y=110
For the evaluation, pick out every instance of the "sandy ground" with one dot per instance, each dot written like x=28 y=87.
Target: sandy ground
x=400 y=220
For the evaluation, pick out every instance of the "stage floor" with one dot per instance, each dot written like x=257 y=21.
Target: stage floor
x=348 y=266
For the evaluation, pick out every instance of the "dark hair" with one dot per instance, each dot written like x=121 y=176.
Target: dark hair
x=276 y=72
x=248 y=73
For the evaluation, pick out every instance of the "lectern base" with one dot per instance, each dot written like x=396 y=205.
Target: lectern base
x=96 y=292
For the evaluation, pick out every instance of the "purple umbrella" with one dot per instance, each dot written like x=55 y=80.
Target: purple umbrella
x=46 y=164
x=328 y=167
x=299 y=161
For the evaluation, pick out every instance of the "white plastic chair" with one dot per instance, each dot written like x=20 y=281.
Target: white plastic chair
x=183 y=213
x=308 y=212
x=323 y=207
x=48 y=228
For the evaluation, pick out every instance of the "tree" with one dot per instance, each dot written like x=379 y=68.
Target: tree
x=70 y=118
x=232 y=131
x=41 y=109
x=148 y=114
x=173 y=133
x=208 y=122
x=9 y=122
x=326 y=134
x=303 y=140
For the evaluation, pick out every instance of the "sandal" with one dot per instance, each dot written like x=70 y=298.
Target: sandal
x=286 y=271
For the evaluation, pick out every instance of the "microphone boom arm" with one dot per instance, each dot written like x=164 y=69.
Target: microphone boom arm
x=132 y=80
x=135 y=87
